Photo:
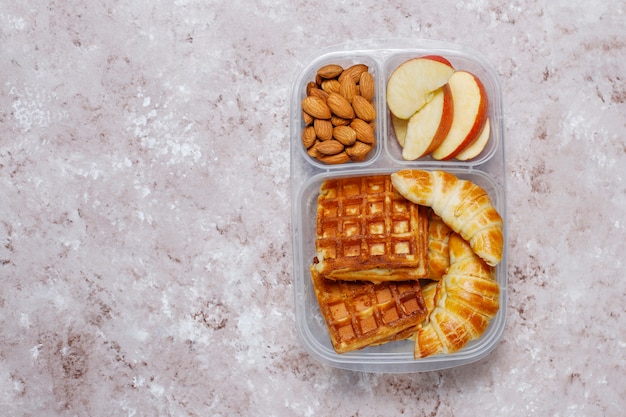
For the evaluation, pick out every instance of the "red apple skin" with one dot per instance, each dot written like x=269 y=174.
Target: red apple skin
x=479 y=122
x=438 y=58
x=447 y=116
x=475 y=148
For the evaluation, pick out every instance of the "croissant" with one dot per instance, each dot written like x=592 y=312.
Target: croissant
x=438 y=253
x=464 y=206
x=465 y=301
x=428 y=292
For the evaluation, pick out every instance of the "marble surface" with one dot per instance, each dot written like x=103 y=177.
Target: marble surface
x=145 y=246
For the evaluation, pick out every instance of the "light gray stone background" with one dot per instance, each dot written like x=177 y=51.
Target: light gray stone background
x=145 y=234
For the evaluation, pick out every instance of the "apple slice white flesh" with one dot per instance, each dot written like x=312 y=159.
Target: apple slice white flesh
x=428 y=127
x=474 y=149
x=412 y=84
x=399 y=128
x=470 y=112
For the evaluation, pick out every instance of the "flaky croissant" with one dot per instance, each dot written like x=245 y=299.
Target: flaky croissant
x=438 y=252
x=464 y=206
x=465 y=301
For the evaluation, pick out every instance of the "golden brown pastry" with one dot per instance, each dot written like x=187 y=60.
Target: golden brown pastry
x=429 y=290
x=464 y=206
x=359 y=314
x=465 y=301
x=438 y=253
x=365 y=230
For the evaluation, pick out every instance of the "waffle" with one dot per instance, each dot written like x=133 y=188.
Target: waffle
x=365 y=230
x=360 y=313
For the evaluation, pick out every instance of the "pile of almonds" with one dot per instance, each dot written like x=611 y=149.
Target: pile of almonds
x=339 y=114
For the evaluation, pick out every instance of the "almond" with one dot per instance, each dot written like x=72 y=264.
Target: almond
x=323 y=129
x=316 y=107
x=364 y=109
x=308 y=136
x=329 y=147
x=353 y=72
x=366 y=86
x=313 y=152
x=330 y=71
x=345 y=135
x=330 y=86
x=337 y=130
x=364 y=131
x=309 y=86
x=316 y=92
x=338 y=121
x=347 y=88
x=358 y=151
x=340 y=158
x=339 y=106
x=308 y=119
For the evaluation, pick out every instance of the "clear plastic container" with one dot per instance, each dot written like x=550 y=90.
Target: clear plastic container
x=307 y=174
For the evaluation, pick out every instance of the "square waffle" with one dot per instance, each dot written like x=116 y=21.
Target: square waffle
x=360 y=313
x=365 y=230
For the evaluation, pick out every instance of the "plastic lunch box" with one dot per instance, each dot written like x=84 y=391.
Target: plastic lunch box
x=307 y=174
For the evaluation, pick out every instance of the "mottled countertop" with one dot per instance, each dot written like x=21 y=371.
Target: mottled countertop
x=145 y=233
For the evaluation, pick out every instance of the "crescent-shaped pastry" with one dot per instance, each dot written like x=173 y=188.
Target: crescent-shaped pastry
x=438 y=252
x=464 y=206
x=465 y=301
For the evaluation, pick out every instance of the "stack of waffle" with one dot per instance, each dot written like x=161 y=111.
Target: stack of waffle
x=372 y=250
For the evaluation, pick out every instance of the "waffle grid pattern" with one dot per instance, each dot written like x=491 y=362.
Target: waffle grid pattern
x=364 y=220
x=360 y=313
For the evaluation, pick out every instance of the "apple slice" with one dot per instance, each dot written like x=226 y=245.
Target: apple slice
x=428 y=127
x=399 y=128
x=412 y=84
x=470 y=112
x=474 y=149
